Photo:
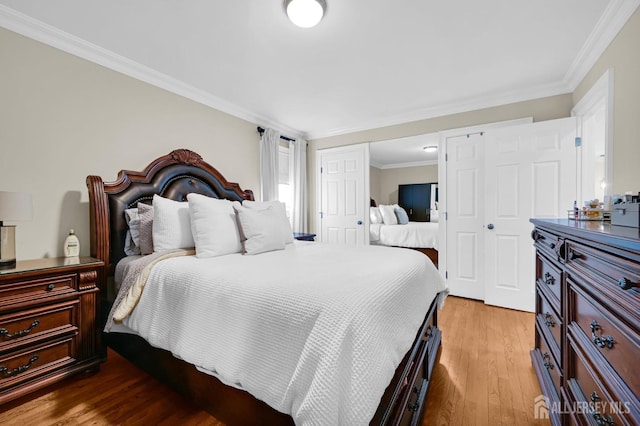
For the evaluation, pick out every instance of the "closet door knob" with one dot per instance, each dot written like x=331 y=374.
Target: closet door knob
x=490 y=226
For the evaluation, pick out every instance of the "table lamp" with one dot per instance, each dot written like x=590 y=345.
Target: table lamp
x=13 y=206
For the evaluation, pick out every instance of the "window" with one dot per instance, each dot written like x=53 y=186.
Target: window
x=285 y=180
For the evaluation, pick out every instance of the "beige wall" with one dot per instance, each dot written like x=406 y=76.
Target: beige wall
x=375 y=174
x=623 y=56
x=63 y=118
x=389 y=179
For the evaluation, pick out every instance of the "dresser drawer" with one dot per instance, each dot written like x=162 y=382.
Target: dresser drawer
x=590 y=402
x=548 y=278
x=25 y=293
x=549 y=362
x=26 y=328
x=549 y=323
x=617 y=277
x=545 y=242
x=613 y=339
x=32 y=363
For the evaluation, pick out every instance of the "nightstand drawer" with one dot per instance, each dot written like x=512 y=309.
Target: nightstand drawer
x=24 y=293
x=25 y=328
x=29 y=364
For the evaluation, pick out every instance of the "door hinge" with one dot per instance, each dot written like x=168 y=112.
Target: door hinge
x=446 y=275
x=446 y=157
x=446 y=216
x=578 y=141
x=321 y=215
x=321 y=170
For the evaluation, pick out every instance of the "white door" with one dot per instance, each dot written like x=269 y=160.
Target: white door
x=495 y=182
x=344 y=194
x=530 y=171
x=465 y=215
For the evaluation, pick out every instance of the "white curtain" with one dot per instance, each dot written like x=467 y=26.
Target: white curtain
x=298 y=149
x=269 y=144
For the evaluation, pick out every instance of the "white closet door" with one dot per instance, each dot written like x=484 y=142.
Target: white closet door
x=344 y=194
x=465 y=216
x=530 y=171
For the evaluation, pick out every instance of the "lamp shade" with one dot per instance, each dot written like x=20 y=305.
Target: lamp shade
x=305 y=13
x=15 y=206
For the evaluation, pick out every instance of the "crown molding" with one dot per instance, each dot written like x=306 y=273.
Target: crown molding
x=616 y=15
x=27 y=26
x=403 y=165
x=472 y=104
x=611 y=22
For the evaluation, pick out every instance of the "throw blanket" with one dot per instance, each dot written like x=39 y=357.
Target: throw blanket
x=315 y=330
x=134 y=276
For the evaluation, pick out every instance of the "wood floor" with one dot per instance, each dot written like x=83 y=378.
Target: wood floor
x=484 y=377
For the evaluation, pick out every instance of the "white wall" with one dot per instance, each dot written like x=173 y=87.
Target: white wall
x=63 y=118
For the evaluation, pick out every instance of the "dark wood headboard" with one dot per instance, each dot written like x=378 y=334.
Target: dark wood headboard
x=172 y=176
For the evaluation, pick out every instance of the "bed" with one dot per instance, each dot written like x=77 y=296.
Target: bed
x=420 y=236
x=240 y=398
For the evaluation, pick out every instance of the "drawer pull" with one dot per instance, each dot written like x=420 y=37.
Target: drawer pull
x=547 y=363
x=548 y=279
x=573 y=255
x=548 y=320
x=416 y=403
x=602 y=420
x=535 y=235
x=594 y=397
x=626 y=284
x=51 y=287
x=5 y=372
x=600 y=341
x=4 y=332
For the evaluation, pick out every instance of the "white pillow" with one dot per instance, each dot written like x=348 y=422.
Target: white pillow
x=374 y=215
x=282 y=224
x=214 y=226
x=260 y=229
x=388 y=214
x=171 y=225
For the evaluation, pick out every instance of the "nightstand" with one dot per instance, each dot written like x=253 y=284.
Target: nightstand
x=48 y=327
x=301 y=236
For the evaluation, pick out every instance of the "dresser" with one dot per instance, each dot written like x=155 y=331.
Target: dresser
x=48 y=328
x=587 y=331
x=415 y=199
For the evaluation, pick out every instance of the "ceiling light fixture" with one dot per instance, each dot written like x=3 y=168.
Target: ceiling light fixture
x=430 y=148
x=305 y=13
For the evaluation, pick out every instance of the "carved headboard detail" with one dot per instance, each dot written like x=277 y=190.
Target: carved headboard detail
x=172 y=176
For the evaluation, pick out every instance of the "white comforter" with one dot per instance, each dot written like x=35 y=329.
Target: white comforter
x=413 y=235
x=316 y=331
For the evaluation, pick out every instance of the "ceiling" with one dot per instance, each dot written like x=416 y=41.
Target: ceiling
x=404 y=152
x=368 y=64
